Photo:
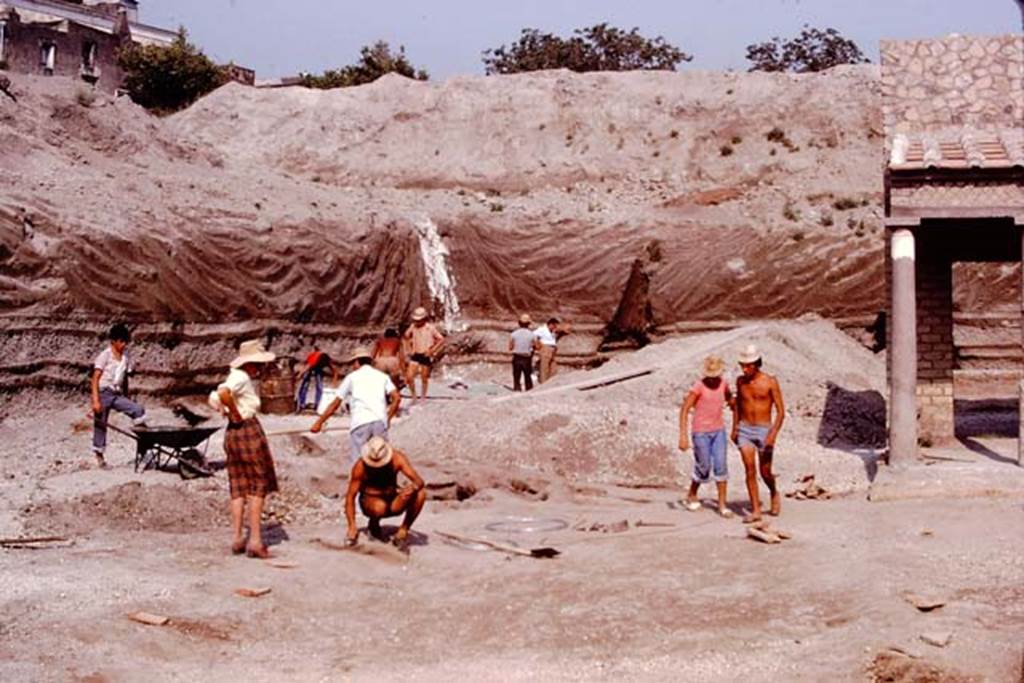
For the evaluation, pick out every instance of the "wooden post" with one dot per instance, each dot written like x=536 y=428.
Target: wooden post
x=903 y=392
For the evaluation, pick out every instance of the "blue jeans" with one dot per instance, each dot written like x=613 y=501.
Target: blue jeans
x=111 y=400
x=318 y=382
x=709 y=450
x=358 y=437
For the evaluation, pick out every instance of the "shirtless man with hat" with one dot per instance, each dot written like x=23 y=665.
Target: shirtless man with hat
x=374 y=479
x=423 y=340
x=757 y=394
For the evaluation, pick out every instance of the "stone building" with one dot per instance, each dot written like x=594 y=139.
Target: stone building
x=954 y=192
x=74 y=38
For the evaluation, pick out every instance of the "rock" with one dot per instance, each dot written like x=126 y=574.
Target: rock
x=937 y=638
x=924 y=603
x=619 y=527
x=305 y=445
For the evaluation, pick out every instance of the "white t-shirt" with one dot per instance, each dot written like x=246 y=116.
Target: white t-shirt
x=545 y=336
x=366 y=392
x=242 y=390
x=112 y=370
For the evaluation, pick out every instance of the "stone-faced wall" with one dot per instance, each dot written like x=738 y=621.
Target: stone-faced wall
x=23 y=43
x=955 y=81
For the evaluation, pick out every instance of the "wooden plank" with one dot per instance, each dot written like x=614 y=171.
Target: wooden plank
x=252 y=592
x=706 y=347
x=149 y=619
x=31 y=540
x=544 y=552
x=591 y=383
x=763 y=536
x=282 y=564
x=305 y=430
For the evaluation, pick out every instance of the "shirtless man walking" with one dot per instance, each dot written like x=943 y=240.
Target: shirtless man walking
x=423 y=340
x=757 y=393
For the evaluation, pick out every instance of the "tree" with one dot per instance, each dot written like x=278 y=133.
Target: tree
x=598 y=48
x=166 y=79
x=374 y=61
x=812 y=50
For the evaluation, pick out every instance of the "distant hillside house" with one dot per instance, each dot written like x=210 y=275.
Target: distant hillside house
x=74 y=38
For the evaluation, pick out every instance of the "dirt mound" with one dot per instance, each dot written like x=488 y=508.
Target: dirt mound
x=854 y=419
x=895 y=667
x=298 y=213
x=624 y=433
x=131 y=507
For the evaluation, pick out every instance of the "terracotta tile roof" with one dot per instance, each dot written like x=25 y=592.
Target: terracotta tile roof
x=958 y=150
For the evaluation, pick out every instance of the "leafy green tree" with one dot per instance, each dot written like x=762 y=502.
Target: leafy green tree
x=374 y=61
x=813 y=50
x=598 y=48
x=166 y=79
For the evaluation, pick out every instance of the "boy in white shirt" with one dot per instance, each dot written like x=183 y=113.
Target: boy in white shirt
x=109 y=383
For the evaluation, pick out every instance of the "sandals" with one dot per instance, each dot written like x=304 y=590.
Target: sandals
x=260 y=553
x=691 y=505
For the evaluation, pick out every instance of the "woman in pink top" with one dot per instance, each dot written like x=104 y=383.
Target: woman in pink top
x=707 y=399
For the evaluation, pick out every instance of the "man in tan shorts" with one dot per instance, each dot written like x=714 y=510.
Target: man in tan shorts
x=546 y=343
x=422 y=342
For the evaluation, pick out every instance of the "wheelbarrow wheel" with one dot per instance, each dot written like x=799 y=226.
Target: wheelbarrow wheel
x=192 y=464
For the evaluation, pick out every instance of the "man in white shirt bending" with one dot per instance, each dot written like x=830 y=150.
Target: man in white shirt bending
x=546 y=343
x=372 y=399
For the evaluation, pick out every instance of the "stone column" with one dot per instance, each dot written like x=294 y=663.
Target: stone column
x=903 y=390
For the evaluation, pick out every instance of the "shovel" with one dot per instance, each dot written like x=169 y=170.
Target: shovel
x=541 y=553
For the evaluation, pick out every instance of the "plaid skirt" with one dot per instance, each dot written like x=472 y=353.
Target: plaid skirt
x=249 y=463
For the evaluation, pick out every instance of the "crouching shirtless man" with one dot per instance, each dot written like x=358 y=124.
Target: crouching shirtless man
x=374 y=478
x=757 y=393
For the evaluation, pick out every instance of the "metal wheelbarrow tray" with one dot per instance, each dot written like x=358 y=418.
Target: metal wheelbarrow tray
x=157 y=446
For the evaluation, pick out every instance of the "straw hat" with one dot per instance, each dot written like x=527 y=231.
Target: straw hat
x=750 y=355
x=376 y=452
x=252 y=351
x=524 y=319
x=357 y=353
x=713 y=366
x=419 y=314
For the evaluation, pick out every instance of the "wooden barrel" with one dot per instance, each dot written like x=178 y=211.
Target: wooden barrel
x=277 y=389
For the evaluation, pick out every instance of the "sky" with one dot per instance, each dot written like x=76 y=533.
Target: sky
x=446 y=37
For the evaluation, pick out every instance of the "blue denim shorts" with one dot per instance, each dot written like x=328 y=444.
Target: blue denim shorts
x=709 y=461
x=363 y=433
x=753 y=435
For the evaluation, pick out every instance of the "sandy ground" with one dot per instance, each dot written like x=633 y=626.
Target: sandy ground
x=695 y=599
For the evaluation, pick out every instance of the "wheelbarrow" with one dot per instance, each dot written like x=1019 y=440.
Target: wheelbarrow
x=157 y=447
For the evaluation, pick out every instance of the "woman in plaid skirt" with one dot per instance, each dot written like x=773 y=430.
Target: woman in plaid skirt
x=250 y=466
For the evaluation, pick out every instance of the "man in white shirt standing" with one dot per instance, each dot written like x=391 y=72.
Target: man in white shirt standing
x=372 y=399
x=109 y=379
x=546 y=343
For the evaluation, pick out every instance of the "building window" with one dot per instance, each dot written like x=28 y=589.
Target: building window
x=47 y=58
x=88 y=57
